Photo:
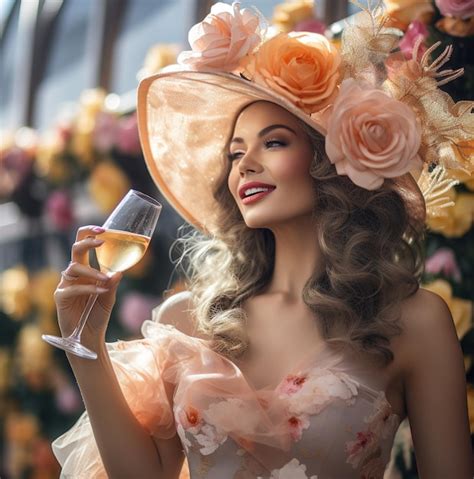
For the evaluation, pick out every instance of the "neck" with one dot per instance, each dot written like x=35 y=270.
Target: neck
x=297 y=257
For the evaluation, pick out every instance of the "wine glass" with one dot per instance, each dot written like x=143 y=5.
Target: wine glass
x=128 y=232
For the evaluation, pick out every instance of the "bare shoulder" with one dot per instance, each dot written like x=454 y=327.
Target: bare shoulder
x=435 y=387
x=177 y=310
x=427 y=323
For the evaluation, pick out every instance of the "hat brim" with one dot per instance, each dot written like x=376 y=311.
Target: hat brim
x=185 y=119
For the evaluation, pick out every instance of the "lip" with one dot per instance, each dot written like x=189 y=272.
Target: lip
x=255 y=197
x=254 y=184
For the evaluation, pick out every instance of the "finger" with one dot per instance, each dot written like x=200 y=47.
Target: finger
x=89 y=230
x=76 y=271
x=79 y=290
x=80 y=249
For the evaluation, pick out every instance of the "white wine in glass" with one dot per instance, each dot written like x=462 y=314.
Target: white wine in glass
x=127 y=234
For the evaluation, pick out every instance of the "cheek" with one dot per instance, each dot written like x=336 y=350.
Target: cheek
x=296 y=170
x=232 y=182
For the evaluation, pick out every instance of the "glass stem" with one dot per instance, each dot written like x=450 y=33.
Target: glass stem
x=76 y=334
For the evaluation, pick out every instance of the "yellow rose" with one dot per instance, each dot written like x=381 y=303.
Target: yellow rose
x=158 y=57
x=108 y=184
x=403 y=12
x=91 y=103
x=15 y=294
x=43 y=286
x=300 y=66
x=33 y=356
x=457 y=27
x=470 y=406
x=286 y=15
x=461 y=309
x=456 y=220
x=50 y=161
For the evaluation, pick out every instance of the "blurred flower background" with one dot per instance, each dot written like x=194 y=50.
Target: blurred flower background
x=75 y=167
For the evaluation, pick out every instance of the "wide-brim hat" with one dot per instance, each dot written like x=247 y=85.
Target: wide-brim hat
x=185 y=119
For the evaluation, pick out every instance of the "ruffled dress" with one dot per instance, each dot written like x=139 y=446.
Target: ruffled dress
x=327 y=419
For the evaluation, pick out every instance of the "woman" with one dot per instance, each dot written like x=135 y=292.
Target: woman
x=304 y=340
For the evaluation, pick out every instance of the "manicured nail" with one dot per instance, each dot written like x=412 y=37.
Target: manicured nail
x=98 y=229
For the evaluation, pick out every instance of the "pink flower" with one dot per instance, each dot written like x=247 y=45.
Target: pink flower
x=456 y=8
x=128 y=141
x=190 y=417
x=415 y=30
x=292 y=384
x=222 y=39
x=135 y=308
x=318 y=391
x=297 y=424
x=310 y=25
x=105 y=132
x=443 y=261
x=361 y=447
x=371 y=136
x=59 y=210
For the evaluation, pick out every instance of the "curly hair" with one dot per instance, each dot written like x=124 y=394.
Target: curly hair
x=370 y=246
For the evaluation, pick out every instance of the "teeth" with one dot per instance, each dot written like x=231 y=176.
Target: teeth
x=252 y=191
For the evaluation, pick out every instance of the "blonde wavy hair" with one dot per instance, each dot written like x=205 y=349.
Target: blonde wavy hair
x=371 y=248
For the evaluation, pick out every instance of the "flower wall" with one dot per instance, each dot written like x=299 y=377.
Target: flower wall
x=95 y=151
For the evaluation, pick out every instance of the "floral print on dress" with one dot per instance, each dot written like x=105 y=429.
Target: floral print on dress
x=292 y=470
x=311 y=395
x=365 y=451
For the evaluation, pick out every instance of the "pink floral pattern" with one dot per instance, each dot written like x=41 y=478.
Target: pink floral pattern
x=364 y=451
x=319 y=423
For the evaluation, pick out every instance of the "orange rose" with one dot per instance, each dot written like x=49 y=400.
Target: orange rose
x=303 y=67
x=405 y=11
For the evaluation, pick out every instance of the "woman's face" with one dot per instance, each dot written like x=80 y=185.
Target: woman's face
x=270 y=157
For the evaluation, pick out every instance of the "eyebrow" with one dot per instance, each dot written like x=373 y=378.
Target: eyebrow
x=263 y=132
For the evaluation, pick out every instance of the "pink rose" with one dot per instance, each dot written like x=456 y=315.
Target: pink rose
x=291 y=384
x=128 y=141
x=222 y=39
x=371 y=136
x=59 y=210
x=105 y=132
x=134 y=309
x=456 y=8
x=415 y=30
x=443 y=261
x=310 y=25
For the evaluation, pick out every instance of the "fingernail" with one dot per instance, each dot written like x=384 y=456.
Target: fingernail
x=101 y=290
x=102 y=277
x=98 y=229
x=98 y=241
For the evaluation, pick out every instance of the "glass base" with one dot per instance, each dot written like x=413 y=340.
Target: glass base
x=70 y=345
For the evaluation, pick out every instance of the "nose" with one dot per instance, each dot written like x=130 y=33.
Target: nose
x=249 y=164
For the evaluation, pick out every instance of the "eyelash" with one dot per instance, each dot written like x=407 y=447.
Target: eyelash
x=233 y=156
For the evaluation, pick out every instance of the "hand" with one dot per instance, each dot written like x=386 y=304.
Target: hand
x=78 y=282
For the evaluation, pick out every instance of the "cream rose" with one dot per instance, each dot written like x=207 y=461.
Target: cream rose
x=220 y=41
x=303 y=67
x=371 y=136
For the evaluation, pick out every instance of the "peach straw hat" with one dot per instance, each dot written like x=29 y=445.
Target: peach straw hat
x=383 y=117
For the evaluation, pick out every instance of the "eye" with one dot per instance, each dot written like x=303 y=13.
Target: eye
x=235 y=155
x=273 y=143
